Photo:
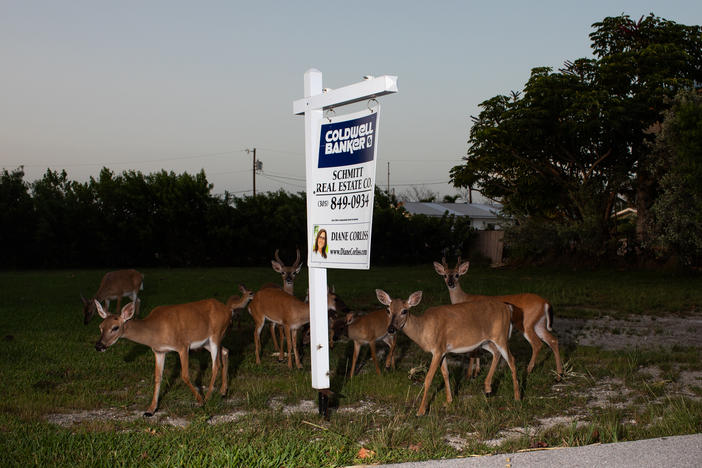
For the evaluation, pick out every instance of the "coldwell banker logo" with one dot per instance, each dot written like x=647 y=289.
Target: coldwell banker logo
x=348 y=142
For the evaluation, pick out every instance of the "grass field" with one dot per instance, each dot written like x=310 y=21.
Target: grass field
x=64 y=404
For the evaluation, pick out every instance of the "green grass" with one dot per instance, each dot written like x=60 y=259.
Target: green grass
x=48 y=366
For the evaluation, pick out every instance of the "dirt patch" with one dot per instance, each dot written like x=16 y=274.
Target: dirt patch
x=634 y=331
x=111 y=414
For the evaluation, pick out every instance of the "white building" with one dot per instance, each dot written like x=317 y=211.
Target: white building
x=482 y=216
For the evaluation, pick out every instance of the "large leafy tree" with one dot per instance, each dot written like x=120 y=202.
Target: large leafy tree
x=678 y=151
x=562 y=150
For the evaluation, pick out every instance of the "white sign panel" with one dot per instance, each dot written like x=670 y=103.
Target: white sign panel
x=341 y=189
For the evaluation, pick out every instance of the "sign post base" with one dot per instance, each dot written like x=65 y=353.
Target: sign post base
x=323 y=401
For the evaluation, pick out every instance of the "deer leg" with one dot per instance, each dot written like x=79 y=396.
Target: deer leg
x=278 y=348
x=504 y=351
x=280 y=335
x=185 y=373
x=552 y=343
x=536 y=345
x=487 y=386
x=445 y=373
x=390 y=359
x=375 y=360
x=294 y=346
x=473 y=364
x=225 y=371
x=158 y=374
x=216 y=362
x=119 y=304
x=287 y=335
x=356 y=351
x=435 y=361
x=257 y=338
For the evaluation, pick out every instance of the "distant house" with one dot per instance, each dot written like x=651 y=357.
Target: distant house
x=482 y=216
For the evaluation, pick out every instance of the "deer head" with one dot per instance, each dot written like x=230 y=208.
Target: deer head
x=288 y=273
x=112 y=326
x=398 y=309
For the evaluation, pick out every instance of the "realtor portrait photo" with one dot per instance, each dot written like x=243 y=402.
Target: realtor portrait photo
x=320 y=242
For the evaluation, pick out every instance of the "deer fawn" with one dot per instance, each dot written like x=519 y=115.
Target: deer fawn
x=366 y=329
x=533 y=315
x=288 y=274
x=114 y=285
x=454 y=328
x=179 y=328
x=283 y=309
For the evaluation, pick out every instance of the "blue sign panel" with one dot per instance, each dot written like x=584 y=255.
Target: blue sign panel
x=348 y=142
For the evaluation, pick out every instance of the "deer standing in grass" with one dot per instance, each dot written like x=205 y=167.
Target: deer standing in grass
x=179 y=328
x=288 y=274
x=279 y=307
x=114 y=285
x=533 y=315
x=455 y=328
x=367 y=329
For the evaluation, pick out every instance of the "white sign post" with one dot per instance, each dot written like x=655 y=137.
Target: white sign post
x=338 y=196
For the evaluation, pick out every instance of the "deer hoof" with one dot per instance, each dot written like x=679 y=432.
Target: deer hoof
x=489 y=394
x=148 y=414
x=559 y=377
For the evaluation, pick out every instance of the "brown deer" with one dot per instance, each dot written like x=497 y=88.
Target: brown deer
x=114 y=285
x=288 y=274
x=533 y=315
x=366 y=329
x=279 y=307
x=179 y=328
x=455 y=328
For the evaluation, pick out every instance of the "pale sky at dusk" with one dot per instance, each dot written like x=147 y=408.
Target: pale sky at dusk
x=184 y=86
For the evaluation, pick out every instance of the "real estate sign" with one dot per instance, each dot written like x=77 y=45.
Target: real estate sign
x=341 y=191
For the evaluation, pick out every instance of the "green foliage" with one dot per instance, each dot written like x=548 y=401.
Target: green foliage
x=565 y=148
x=168 y=219
x=678 y=148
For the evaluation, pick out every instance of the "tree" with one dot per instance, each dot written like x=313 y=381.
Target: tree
x=565 y=148
x=17 y=218
x=678 y=151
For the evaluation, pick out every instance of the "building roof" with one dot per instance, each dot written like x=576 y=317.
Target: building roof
x=472 y=210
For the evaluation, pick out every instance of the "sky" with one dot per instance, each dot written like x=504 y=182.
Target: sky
x=184 y=86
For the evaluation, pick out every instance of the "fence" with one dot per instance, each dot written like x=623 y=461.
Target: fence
x=489 y=244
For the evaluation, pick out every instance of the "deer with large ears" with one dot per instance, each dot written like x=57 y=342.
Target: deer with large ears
x=114 y=285
x=288 y=274
x=279 y=307
x=533 y=315
x=366 y=329
x=454 y=328
x=179 y=328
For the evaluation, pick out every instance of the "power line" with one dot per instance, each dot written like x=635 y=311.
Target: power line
x=140 y=161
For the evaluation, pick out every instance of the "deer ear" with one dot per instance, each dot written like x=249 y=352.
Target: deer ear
x=463 y=268
x=276 y=266
x=101 y=312
x=414 y=298
x=439 y=268
x=128 y=310
x=349 y=318
x=383 y=297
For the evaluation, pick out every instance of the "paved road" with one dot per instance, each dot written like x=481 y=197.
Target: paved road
x=676 y=452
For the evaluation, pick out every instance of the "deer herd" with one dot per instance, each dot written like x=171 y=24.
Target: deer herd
x=470 y=323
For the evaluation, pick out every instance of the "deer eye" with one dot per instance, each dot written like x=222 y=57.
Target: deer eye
x=115 y=328
x=403 y=311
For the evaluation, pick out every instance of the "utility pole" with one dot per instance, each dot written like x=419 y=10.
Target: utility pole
x=388 y=191
x=254 y=169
